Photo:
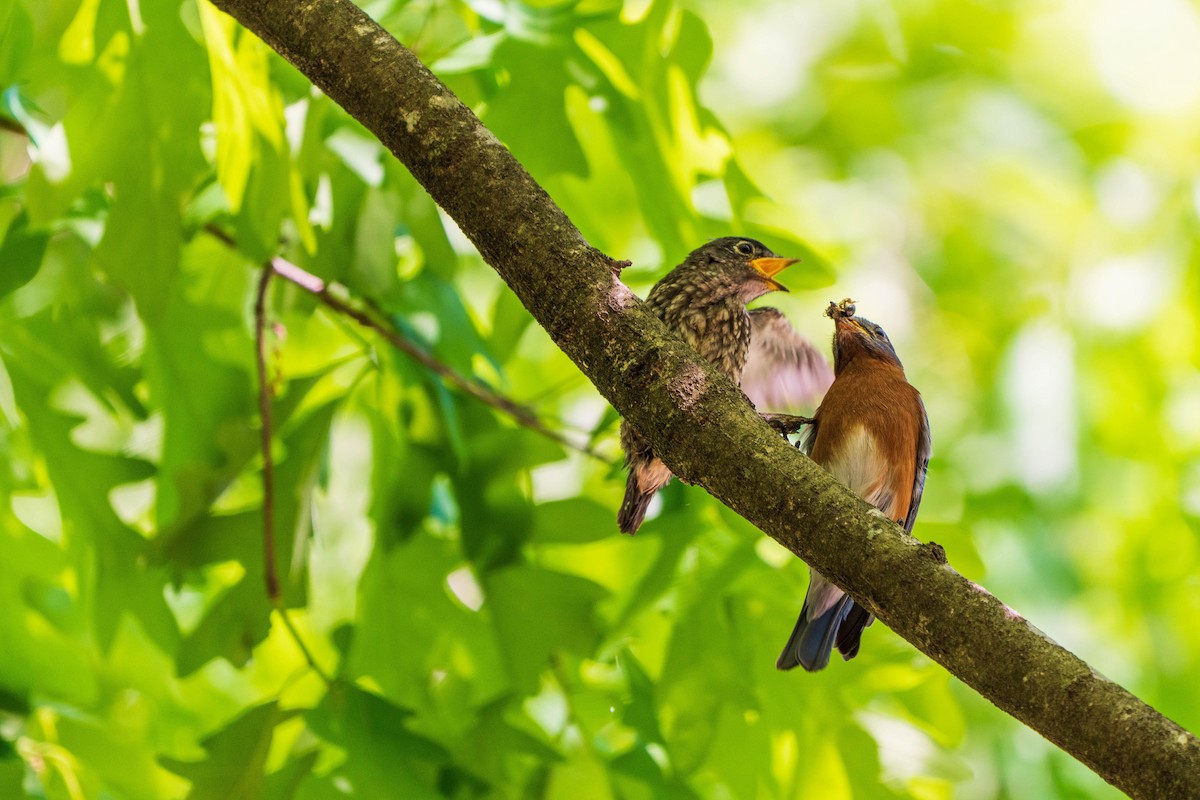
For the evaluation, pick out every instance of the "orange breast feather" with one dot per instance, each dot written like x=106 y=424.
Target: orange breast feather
x=867 y=432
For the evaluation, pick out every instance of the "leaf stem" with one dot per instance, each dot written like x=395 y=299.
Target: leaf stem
x=325 y=677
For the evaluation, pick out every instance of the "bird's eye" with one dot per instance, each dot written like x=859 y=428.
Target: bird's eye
x=879 y=332
x=744 y=248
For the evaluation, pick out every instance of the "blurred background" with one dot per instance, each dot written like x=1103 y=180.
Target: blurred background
x=1011 y=189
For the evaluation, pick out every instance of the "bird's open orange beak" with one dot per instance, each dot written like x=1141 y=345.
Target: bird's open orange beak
x=770 y=267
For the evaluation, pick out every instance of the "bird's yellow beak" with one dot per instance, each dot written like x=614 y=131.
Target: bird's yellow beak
x=770 y=267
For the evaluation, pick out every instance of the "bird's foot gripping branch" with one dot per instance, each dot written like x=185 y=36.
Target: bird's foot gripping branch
x=787 y=423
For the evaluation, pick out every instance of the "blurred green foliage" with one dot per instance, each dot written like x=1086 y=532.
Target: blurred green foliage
x=1010 y=188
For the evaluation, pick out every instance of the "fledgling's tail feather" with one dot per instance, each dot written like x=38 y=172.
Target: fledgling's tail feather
x=633 y=507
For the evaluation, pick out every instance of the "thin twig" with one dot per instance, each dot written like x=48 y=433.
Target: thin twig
x=315 y=286
x=523 y=416
x=270 y=570
x=264 y=411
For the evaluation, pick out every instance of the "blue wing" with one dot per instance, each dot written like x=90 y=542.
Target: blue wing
x=924 y=450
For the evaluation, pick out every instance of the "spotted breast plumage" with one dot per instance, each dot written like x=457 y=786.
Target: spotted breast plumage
x=704 y=300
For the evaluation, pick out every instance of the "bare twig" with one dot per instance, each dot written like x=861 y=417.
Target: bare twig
x=484 y=394
x=270 y=570
x=264 y=411
x=315 y=286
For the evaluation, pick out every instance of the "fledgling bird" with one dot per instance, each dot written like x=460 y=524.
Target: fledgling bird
x=704 y=299
x=872 y=433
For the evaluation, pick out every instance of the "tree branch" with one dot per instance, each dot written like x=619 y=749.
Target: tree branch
x=697 y=420
x=523 y=415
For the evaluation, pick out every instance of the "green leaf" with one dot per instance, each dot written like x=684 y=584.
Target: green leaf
x=399 y=462
x=12 y=775
x=576 y=520
x=432 y=311
x=284 y=783
x=537 y=612
x=239 y=619
x=383 y=757
x=496 y=520
x=510 y=319
x=537 y=80
x=112 y=761
x=413 y=623
x=82 y=479
x=150 y=167
x=16 y=41
x=237 y=755
x=374 y=266
x=21 y=253
x=141 y=246
x=635 y=774
x=472 y=54
x=198 y=367
x=495 y=743
x=231 y=628
x=244 y=105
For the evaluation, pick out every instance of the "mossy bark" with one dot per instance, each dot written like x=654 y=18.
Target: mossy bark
x=699 y=423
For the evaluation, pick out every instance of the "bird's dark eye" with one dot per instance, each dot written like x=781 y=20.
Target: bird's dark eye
x=879 y=332
x=744 y=248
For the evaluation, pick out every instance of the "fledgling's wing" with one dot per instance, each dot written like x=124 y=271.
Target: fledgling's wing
x=783 y=369
x=924 y=450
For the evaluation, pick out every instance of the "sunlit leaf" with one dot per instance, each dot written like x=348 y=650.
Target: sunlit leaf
x=21 y=253
x=16 y=41
x=237 y=755
x=537 y=612
x=383 y=757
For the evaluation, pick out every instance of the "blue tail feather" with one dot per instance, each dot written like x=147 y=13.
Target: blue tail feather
x=812 y=640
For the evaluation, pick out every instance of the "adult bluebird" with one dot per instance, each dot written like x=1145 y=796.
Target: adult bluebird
x=872 y=433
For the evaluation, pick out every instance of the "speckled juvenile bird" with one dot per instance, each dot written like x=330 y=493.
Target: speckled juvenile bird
x=704 y=299
x=872 y=433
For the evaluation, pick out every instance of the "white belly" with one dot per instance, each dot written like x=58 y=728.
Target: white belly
x=857 y=463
